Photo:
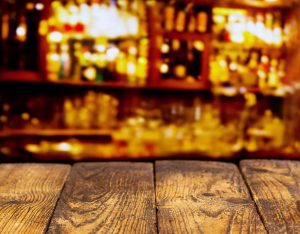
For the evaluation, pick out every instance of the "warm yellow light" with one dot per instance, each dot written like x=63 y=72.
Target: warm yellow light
x=43 y=27
x=55 y=37
x=229 y=11
x=29 y=6
x=54 y=57
x=133 y=50
x=164 y=68
x=39 y=6
x=32 y=148
x=233 y=66
x=100 y=48
x=112 y=53
x=3 y=118
x=25 y=116
x=21 y=32
x=131 y=68
x=90 y=73
x=199 y=45
x=55 y=4
x=165 y=48
x=66 y=147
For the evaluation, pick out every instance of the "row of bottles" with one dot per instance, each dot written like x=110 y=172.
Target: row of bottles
x=242 y=27
x=95 y=40
x=181 y=59
x=83 y=19
x=182 y=17
x=93 y=110
x=98 y=60
x=19 y=35
x=250 y=69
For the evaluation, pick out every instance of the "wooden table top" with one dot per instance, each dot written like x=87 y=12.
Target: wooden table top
x=256 y=196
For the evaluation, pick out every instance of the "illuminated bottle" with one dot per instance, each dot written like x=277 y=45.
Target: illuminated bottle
x=252 y=66
x=202 y=19
x=191 y=19
x=180 y=66
x=4 y=38
x=169 y=16
x=53 y=63
x=273 y=78
x=180 y=18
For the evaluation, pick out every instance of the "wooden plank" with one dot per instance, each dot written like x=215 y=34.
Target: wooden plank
x=107 y=198
x=275 y=186
x=203 y=197
x=28 y=195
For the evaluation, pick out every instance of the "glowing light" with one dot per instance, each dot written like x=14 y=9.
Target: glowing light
x=55 y=37
x=164 y=68
x=43 y=27
x=29 y=6
x=25 y=116
x=165 y=48
x=3 y=118
x=32 y=148
x=64 y=146
x=133 y=50
x=131 y=68
x=90 y=73
x=199 y=45
x=100 y=48
x=21 y=32
x=112 y=53
x=39 y=6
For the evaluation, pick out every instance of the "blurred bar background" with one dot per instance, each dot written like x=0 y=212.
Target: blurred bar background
x=134 y=79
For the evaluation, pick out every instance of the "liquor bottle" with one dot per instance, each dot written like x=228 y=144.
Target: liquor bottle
x=180 y=66
x=180 y=20
x=4 y=38
x=21 y=36
x=53 y=63
x=273 y=78
x=12 y=43
x=169 y=16
x=252 y=69
x=191 y=19
x=165 y=56
x=202 y=20
x=33 y=16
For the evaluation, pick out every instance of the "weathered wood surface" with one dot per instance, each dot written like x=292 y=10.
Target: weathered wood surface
x=107 y=198
x=275 y=186
x=28 y=195
x=203 y=197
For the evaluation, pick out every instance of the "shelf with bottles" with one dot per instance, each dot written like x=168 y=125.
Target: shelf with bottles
x=19 y=37
x=55 y=133
x=183 y=50
x=255 y=29
x=177 y=129
x=80 y=48
x=252 y=4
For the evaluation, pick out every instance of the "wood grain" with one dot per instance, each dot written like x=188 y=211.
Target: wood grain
x=203 y=197
x=275 y=186
x=107 y=198
x=28 y=195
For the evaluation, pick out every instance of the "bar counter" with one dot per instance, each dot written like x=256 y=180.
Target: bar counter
x=255 y=196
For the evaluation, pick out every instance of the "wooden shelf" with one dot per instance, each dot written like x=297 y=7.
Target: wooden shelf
x=235 y=46
x=55 y=133
x=7 y=75
x=161 y=84
x=251 y=4
x=181 y=85
x=188 y=36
